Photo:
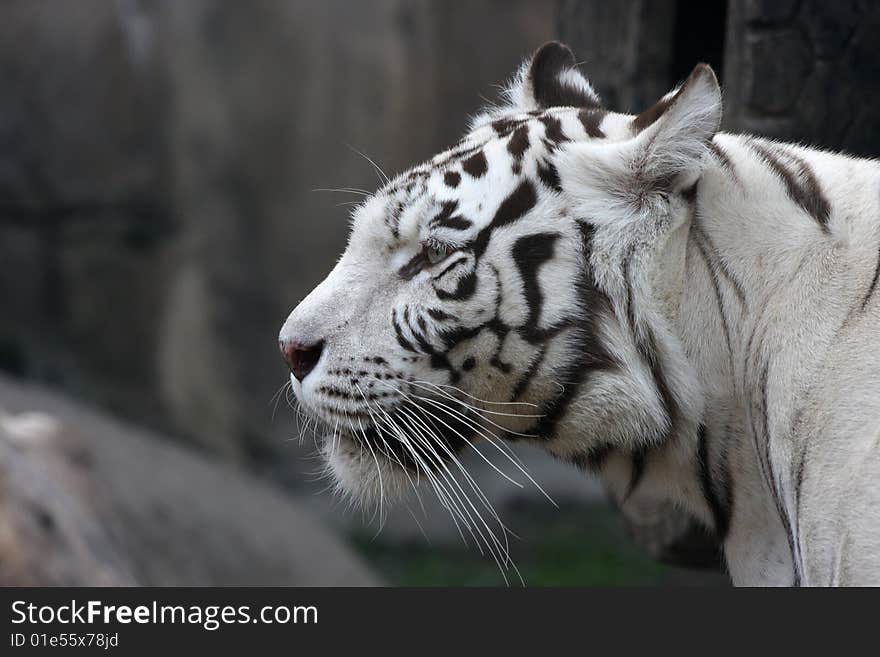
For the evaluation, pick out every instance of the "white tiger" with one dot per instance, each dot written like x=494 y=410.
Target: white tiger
x=693 y=315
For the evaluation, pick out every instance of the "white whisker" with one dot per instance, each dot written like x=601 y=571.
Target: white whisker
x=482 y=401
x=503 y=549
x=343 y=190
x=382 y=175
x=483 y=432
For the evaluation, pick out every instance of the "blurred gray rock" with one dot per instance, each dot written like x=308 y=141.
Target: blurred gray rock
x=50 y=530
x=87 y=500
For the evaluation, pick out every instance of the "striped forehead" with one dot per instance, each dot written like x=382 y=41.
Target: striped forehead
x=380 y=216
x=495 y=152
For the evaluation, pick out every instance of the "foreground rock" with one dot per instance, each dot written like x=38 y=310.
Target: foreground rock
x=88 y=500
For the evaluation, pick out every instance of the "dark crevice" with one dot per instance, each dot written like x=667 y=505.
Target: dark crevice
x=698 y=36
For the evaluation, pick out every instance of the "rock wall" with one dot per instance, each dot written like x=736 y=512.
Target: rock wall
x=807 y=71
x=801 y=70
x=626 y=48
x=84 y=218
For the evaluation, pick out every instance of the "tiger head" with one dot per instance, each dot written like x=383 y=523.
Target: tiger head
x=507 y=289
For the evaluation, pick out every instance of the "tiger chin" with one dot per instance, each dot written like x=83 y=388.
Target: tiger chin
x=691 y=315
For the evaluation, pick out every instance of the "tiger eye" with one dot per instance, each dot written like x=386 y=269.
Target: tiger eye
x=436 y=253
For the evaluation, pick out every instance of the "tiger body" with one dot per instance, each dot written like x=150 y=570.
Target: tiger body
x=692 y=315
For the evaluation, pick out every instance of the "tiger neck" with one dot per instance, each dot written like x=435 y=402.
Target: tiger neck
x=669 y=422
x=734 y=281
x=715 y=324
x=694 y=319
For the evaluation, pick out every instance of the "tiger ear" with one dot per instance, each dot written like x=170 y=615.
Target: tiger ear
x=666 y=152
x=551 y=79
x=673 y=135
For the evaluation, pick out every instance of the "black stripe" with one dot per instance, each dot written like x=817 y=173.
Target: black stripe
x=801 y=184
x=452 y=337
x=439 y=315
x=591 y=119
x=460 y=152
x=713 y=275
x=592 y=355
x=575 y=374
x=454 y=223
x=814 y=200
x=873 y=285
x=467 y=284
x=413 y=266
x=475 y=165
x=496 y=362
x=690 y=193
x=445 y=212
x=438 y=360
x=498 y=327
x=549 y=176
x=646 y=345
x=720 y=510
x=520 y=201
x=529 y=253
x=712 y=255
x=594 y=458
x=452 y=265
x=798 y=470
x=504 y=127
x=553 y=129
x=724 y=159
x=519 y=142
x=798 y=485
x=639 y=462
x=523 y=383
x=770 y=475
x=398 y=332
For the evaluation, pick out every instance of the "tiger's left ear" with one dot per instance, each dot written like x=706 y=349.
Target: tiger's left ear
x=665 y=152
x=551 y=79
x=673 y=135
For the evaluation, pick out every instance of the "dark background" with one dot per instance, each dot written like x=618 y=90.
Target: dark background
x=158 y=219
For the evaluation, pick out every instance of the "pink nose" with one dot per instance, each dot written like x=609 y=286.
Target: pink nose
x=300 y=358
